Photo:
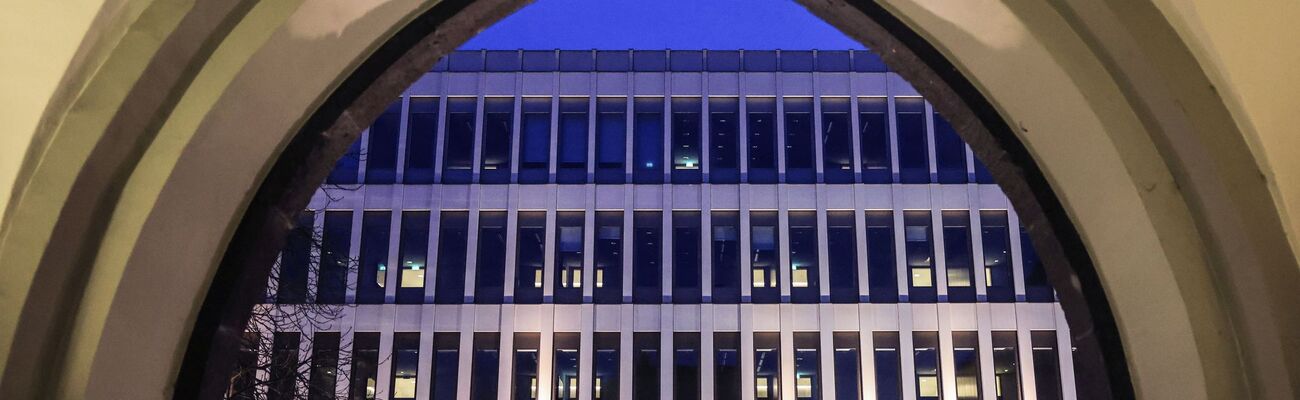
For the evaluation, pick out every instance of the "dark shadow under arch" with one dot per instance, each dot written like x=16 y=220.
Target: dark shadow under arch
x=303 y=165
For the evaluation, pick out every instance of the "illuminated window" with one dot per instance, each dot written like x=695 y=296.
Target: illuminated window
x=530 y=257
x=764 y=258
x=803 y=387
x=966 y=364
x=803 y=256
x=566 y=365
x=569 y=256
x=686 y=127
x=925 y=352
x=958 y=263
x=799 y=277
x=413 y=249
x=406 y=360
x=526 y=366
x=921 y=277
x=919 y=248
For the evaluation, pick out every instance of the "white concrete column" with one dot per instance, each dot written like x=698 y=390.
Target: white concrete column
x=477 y=168
x=548 y=269
x=900 y=251
x=666 y=352
x=823 y=249
x=906 y=352
x=746 y=350
x=1017 y=253
x=940 y=260
x=706 y=245
x=471 y=242
x=929 y=142
x=826 y=349
x=435 y=230
x=787 y=350
x=402 y=133
x=947 y=367
x=1065 y=353
x=394 y=242
x=512 y=241
x=746 y=268
x=354 y=253
x=977 y=246
x=783 y=241
x=627 y=319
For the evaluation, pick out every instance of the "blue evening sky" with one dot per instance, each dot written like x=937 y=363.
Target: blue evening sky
x=662 y=24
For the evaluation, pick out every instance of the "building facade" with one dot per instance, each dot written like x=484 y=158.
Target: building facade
x=672 y=225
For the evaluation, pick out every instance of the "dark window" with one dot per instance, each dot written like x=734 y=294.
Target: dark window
x=686 y=257
x=295 y=261
x=724 y=61
x=527 y=360
x=882 y=277
x=847 y=375
x=323 y=383
x=502 y=60
x=489 y=271
x=919 y=244
x=1047 y=371
x=452 y=242
x=724 y=140
x=913 y=147
x=645 y=366
x=530 y=257
x=413 y=251
x=365 y=366
x=613 y=61
x=381 y=149
x=796 y=61
x=498 y=123
x=406 y=363
x=568 y=256
x=764 y=259
x=484 y=365
x=648 y=149
x=535 y=141
x=647 y=276
x=949 y=152
x=837 y=141
x=421 y=140
x=566 y=366
x=966 y=364
x=726 y=257
x=458 y=149
x=982 y=174
x=1037 y=288
x=799 y=156
x=346 y=169
x=539 y=61
x=805 y=283
x=446 y=365
x=686 y=61
x=807 y=380
x=608 y=280
x=373 y=275
x=572 y=157
x=611 y=139
x=842 y=254
x=833 y=61
x=605 y=365
x=1006 y=366
x=767 y=365
x=873 y=121
x=649 y=60
x=726 y=366
x=283 y=369
x=686 y=365
x=864 y=61
x=925 y=353
x=762 y=139
x=889 y=376
x=466 y=61
x=958 y=261
x=760 y=61
x=576 y=60
x=686 y=140
x=998 y=276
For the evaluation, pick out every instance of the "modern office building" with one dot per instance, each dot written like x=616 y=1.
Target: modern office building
x=686 y=225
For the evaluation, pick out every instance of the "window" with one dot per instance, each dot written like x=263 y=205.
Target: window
x=726 y=257
x=346 y=169
x=760 y=61
x=295 y=261
x=796 y=61
x=799 y=151
x=489 y=271
x=365 y=366
x=421 y=140
x=647 y=276
x=920 y=256
x=572 y=157
x=530 y=257
x=335 y=262
x=724 y=61
x=463 y=61
x=686 y=365
x=873 y=139
x=576 y=60
x=724 y=139
x=535 y=141
x=807 y=380
x=846 y=362
x=804 y=266
x=726 y=366
x=458 y=149
x=842 y=255
x=1037 y=288
x=611 y=139
x=283 y=369
x=323 y=382
x=413 y=251
x=566 y=365
x=381 y=149
x=913 y=146
x=452 y=243
x=501 y=60
x=406 y=363
x=649 y=60
x=925 y=353
x=1006 y=366
x=686 y=140
x=613 y=60
x=957 y=256
x=498 y=123
x=446 y=365
x=568 y=257
x=764 y=258
x=889 y=376
x=686 y=257
x=949 y=152
x=762 y=139
x=882 y=277
x=605 y=365
x=648 y=148
x=1047 y=372
x=645 y=366
x=837 y=141
x=685 y=60
x=484 y=364
x=607 y=281
x=998 y=276
x=982 y=174
x=864 y=61
x=373 y=273
x=767 y=365
x=833 y=61
x=966 y=364
x=539 y=60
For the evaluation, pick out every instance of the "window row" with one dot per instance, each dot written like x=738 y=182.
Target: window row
x=660 y=60
x=684 y=362
x=612 y=257
x=655 y=140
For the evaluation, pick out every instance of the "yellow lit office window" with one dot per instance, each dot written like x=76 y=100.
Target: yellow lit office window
x=370 y=388
x=598 y=382
x=381 y=275
x=564 y=277
x=404 y=387
x=967 y=387
x=600 y=277
x=577 y=278
x=532 y=388
x=537 y=278
x=988 y=276
x=799 y=278
x=760 y=277
x=922 y=277
x=761 y=389
x=413 y=277
x=927 y=386
x=803 y=387
x=959 y=277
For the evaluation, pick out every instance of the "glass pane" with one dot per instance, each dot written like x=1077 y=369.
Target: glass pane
x=453 y=238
